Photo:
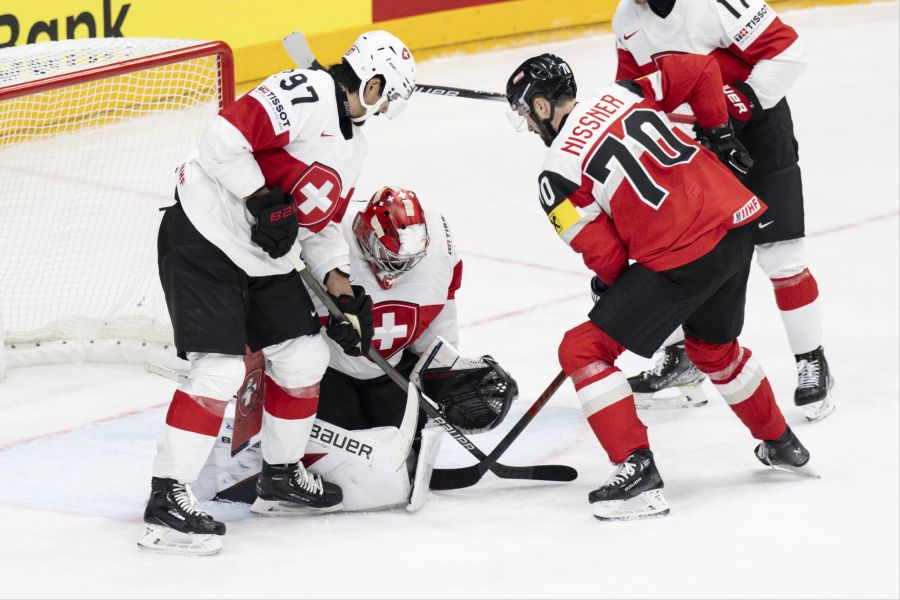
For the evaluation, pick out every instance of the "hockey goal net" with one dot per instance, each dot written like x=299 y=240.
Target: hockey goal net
x=90 y=134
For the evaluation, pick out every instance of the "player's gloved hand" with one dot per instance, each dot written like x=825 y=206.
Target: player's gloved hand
x=742 y=105
x=276 y=224
x=731 y=152
x=598 y=288
x=355 y=336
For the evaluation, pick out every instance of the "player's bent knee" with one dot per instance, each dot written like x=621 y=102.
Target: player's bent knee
x=782 y=259
x=711 y=357
x=217 y=376
x=299 y=362
x=586 y=344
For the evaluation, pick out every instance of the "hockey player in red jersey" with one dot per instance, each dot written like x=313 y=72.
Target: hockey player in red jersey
x=276 y=167
x=760 y=57
x=405 y=257
x=619 y=183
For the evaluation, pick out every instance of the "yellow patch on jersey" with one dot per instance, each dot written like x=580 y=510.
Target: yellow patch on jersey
x=564 y=216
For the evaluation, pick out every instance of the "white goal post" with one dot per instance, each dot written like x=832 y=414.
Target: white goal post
x=91 y=132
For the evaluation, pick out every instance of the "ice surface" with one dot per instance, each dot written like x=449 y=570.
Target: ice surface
x=72 y=488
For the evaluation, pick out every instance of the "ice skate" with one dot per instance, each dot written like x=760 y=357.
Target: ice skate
x=292 y=490
x=174 y=523
x=814 y=383
x=786 y=454
x=634 y=491
x=674 y=382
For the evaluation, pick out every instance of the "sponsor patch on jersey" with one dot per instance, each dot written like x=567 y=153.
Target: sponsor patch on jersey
x=747 y=210
x=753 y=25
x=564 y=216
x=274 y=108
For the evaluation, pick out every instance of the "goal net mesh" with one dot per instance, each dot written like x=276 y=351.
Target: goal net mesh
x=91 y=132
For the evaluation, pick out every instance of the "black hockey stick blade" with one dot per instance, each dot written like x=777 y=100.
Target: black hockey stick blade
x=454 y=479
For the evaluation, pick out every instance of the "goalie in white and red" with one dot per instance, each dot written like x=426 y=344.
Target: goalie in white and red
x=406 y=258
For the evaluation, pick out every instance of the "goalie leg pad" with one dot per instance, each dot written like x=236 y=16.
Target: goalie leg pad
x=428 y=451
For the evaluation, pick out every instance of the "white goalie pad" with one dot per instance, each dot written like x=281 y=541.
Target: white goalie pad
x=428 y=451
x=349 y=459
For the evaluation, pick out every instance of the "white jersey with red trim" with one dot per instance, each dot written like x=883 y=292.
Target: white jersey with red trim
x=418 y=307
x=748 y=40
x=292 y=131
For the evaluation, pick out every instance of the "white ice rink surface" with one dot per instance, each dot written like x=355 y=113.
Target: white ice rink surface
x=77 y=442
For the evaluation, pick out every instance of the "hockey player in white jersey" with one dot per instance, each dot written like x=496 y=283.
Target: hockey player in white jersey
x=406 y=259
x=276 y=167
x=760 y=58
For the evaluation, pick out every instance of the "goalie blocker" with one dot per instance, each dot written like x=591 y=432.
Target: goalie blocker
x=473 y=395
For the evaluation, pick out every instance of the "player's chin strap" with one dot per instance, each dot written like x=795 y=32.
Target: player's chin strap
x=544 y=472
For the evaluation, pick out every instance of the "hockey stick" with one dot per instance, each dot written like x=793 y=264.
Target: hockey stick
x=543 y=472
x=298 y=49
x=451 y=479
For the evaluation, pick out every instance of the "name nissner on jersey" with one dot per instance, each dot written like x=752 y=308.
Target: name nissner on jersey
x=605 y=110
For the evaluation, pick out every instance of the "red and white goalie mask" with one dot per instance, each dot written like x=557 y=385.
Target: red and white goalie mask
x=391 y=233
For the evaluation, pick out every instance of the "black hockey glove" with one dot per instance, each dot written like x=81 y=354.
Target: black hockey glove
x=598 y=288
x=729 y=149
x=354 y=337
x=276 y=224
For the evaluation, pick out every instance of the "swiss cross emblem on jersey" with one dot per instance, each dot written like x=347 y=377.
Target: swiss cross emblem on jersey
x=394 y=326
x=318 y=193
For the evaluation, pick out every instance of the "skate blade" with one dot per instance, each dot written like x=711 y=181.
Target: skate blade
x=817 y=411
x=686 y=396
x=162 y=539
x=283 y=508
x=804 y=471
x=646 y=505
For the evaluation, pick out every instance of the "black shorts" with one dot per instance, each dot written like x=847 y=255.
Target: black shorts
x=215 y=306
x=707 y=296
x=364 y=403
x=775 y=175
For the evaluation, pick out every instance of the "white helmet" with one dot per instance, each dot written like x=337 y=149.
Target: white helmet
x=382 y=53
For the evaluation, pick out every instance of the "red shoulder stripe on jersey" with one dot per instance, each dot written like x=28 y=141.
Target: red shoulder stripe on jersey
x=455 y=281
x=773 y=41
x=250 y=118
x=627 y=67
x=694 y=79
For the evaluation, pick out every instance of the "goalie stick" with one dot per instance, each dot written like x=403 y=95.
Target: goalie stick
x=541 y=472
x=451 y=479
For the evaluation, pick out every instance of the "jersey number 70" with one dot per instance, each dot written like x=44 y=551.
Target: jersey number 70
x=621 y=154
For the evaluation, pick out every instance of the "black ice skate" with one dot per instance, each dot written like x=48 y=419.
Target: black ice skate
x=291 y=489
x=674 y=372
x=175 y=524
x=633 y=492
x=814 y=383
x=786 y=454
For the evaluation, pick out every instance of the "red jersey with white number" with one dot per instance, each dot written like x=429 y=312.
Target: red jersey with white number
x=620 y=183
x=420 y=305
x=292 y=131
x=748 y=40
